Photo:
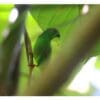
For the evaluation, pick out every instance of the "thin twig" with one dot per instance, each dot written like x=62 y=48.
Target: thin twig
x=29 y=54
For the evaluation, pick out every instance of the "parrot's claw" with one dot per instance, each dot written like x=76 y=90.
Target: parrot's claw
x=32 y=65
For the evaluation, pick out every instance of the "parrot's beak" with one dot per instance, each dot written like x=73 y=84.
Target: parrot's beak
x=58 y=35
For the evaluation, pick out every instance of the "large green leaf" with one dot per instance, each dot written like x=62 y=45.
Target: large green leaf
x=56 y=16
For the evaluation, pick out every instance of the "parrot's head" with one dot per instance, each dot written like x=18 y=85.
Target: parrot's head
x=52 y=33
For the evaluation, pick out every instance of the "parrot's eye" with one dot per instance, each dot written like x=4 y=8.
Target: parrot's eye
x=54 y=32
x=58 y=35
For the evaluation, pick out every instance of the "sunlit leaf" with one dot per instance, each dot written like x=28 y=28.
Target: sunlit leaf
x=4 y=16
x=56 y=16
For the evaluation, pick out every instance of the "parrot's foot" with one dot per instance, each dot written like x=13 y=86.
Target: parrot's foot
x=31 y=65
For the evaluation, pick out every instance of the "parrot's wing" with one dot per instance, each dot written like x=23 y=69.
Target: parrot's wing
x=41 y=51
x=44 y=55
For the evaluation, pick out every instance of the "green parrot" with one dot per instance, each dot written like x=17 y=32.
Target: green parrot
x=42 y=47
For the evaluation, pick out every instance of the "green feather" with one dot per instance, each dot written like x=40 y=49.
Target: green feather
x=42 y=47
